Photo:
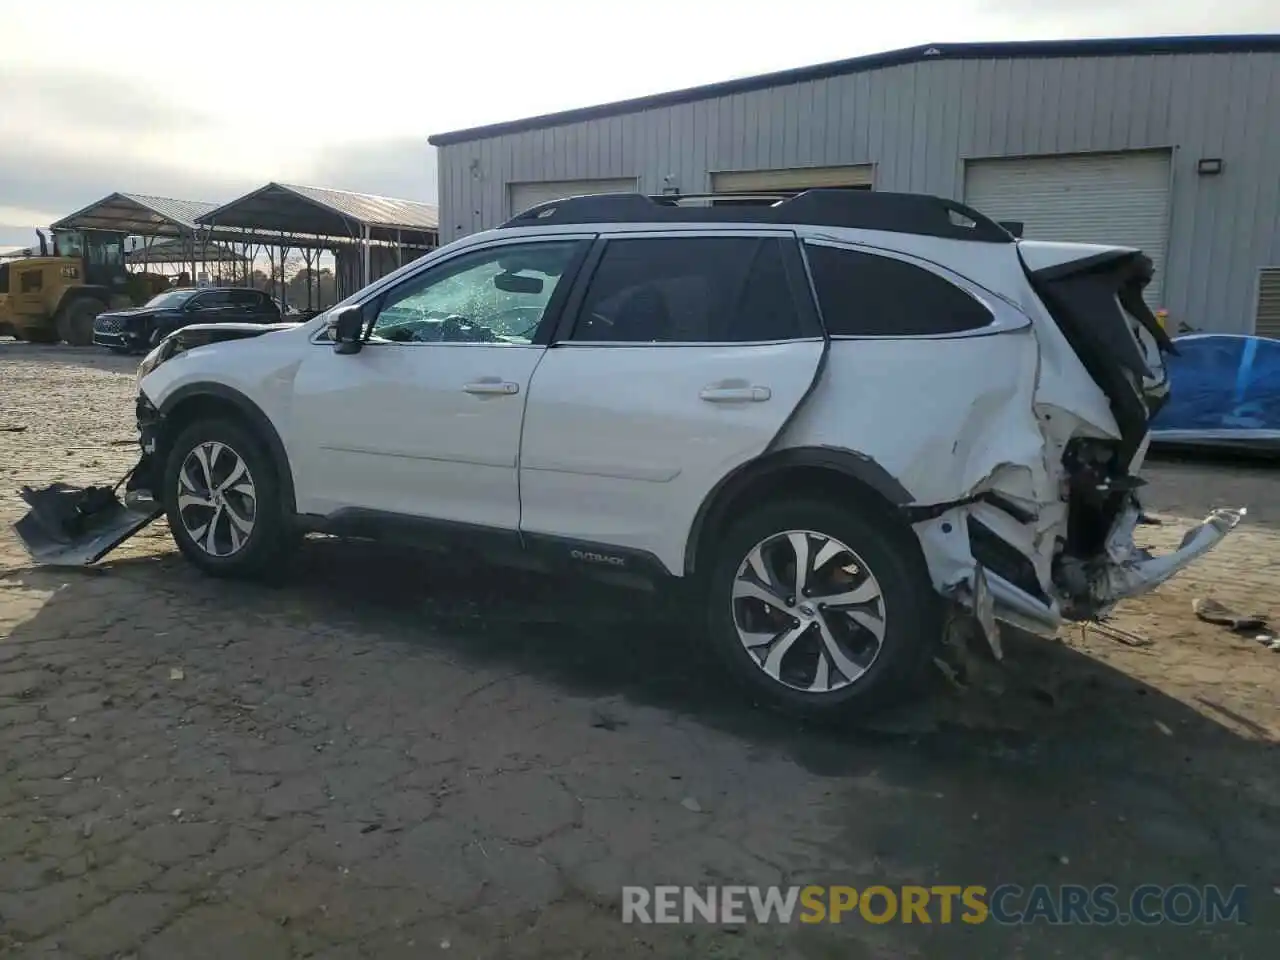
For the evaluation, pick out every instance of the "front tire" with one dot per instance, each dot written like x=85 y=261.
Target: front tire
x=222 y=499
x=823 y=610
x=75 y=321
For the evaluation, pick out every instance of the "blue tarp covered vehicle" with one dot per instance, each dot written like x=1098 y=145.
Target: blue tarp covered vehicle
x=1224 y=394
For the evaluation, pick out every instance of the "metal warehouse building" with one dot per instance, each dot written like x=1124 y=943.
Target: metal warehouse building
x=1168 y=144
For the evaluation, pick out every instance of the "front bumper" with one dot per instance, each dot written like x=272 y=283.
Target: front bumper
x=120 y=340
x=77 y=526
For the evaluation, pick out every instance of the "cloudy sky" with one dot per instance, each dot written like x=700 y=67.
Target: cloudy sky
x=205 y=100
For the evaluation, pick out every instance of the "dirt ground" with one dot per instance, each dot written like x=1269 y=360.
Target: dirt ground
x=389 y=756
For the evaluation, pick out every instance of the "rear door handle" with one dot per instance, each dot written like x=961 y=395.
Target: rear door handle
x=489 y=388
x=735 y=394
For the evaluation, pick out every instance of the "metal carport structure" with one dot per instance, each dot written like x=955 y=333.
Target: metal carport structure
x=380 y=229
x=165 y=219
x=165 y=251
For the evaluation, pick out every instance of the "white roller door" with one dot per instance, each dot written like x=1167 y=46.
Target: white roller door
x=792 y=180
x=1114 y=198
x=1266 y=322
x=526 y=195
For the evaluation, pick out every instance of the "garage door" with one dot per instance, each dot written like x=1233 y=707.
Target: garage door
x=1267 y=320
x=1116 y=198
x=790 y=181
x=526 y=195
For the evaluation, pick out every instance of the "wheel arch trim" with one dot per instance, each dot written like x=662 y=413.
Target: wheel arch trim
x=858 y=467
x=251 y=412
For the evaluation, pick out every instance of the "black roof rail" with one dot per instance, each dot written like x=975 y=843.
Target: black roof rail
x=916 y=213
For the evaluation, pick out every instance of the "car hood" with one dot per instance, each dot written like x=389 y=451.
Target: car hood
x=138 y=312
x=199 y=334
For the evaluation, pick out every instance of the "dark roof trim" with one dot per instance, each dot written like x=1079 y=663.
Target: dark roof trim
x=1034 y=49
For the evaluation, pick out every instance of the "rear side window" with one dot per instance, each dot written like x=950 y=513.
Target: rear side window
x=865 y=295
x=246 y=298
x=212 y=298
x=689 y=290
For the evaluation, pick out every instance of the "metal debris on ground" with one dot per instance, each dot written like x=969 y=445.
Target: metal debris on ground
x=176 y=673
x=691 y=805
x=1211 y=611
x=13 y=428
x=1127 y=637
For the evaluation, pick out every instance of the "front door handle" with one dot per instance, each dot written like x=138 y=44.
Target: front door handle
x=490 y=388
x=735 y=394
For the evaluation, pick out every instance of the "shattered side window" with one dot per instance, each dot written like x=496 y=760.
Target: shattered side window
x=866 y=295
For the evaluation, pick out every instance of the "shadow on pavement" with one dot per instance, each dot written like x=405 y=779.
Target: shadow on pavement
x=1069 y=772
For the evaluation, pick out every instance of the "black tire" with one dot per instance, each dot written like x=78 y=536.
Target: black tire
x=75 y=321
x=264 y=553
x=912 y=610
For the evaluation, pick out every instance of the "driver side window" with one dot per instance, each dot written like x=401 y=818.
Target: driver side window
x=495 y=296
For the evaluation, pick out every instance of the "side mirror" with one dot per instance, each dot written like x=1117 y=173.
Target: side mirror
x=347 y=330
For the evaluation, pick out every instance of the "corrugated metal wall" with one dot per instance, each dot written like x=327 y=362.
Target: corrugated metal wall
x=918 y=124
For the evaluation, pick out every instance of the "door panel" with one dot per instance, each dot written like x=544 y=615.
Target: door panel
x=399 y=428
x=425 y=419
x=688 y=355
x=622 y=443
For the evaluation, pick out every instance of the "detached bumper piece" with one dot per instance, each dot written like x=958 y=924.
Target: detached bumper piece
x=76 y=526
x=1127 y=570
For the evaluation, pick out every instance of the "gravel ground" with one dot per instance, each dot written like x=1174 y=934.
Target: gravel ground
x=387 y=756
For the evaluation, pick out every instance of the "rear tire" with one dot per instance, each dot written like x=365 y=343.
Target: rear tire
x=222 y=497
x=855 y=641
x=75 y=321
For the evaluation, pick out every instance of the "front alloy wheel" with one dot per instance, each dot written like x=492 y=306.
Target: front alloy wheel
x=808 y=611
x=222 y=496
x=217 y=499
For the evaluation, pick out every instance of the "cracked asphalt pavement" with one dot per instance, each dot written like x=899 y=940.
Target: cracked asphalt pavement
x=401 y=755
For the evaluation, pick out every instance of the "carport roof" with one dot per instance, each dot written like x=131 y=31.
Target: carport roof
x=317 y=211
x=139 y=214
x=166 y=250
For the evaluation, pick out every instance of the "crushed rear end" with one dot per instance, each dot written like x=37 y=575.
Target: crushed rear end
x=1096 y=301
x=1051 y=534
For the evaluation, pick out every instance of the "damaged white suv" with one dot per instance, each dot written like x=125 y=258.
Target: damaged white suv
x=839 y=417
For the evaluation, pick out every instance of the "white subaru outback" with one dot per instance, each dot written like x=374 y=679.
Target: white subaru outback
x=838 y=417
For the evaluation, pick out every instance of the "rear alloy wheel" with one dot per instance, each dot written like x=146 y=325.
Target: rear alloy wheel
x=222 y=500
x=809 y=611
x=823 y=609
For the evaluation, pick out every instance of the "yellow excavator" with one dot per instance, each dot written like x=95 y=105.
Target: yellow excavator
x=59 y=293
